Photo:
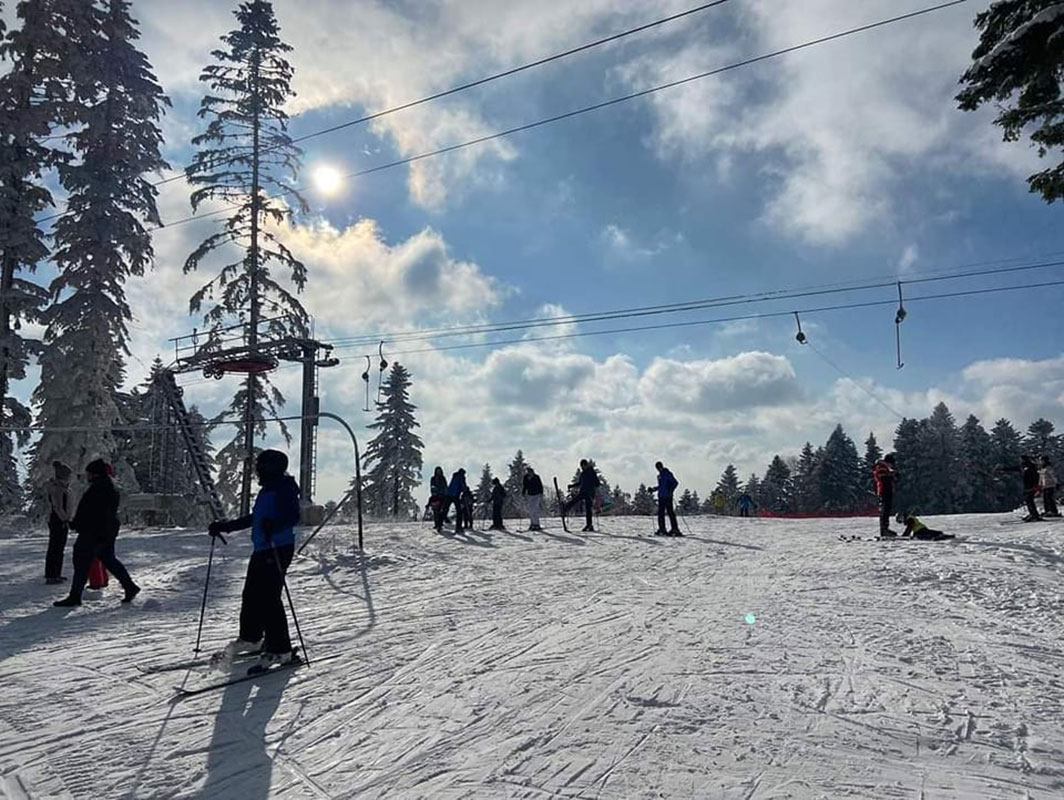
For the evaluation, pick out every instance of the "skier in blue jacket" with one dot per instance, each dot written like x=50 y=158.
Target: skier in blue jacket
x=666 y=488
x=454 y=498
x=263 y=623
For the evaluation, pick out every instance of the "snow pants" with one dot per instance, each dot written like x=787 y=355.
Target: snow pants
x=262 y=614
x=886 y=508
x=1028 y=498
x=1049 y=500
x=589 y=503
x=57 y=540
x=86 y=548
x=665 y=506
x=532 y=502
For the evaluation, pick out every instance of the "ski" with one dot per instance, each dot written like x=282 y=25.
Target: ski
x=174 y=666
x=561 y=505
x=248 y=675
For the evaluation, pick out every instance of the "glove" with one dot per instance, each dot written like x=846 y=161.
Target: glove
x=217 y=528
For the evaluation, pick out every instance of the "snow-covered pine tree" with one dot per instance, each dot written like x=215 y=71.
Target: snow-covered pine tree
x=910 y=466
x=776 y=487
x=643 y=502
x=1007 y=449
x=483 y=491
x=247 y=159
x=514 y=505
x=101 y=239
x=34 y=94
x=977 y=457
x=696 y=503
x=873 y=453
x=622 y=501
x=940 y=453
x=1042 y=441
x=806 y=486
x=683 y=504
x=393 y=456
x=1017 y=67
x=728 y=487
x=839 y=473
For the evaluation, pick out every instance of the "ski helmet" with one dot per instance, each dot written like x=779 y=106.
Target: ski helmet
x=271 y=462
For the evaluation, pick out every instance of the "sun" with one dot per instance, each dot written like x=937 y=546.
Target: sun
x=327 y=179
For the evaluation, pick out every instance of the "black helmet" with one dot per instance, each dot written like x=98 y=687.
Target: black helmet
x=271 y=462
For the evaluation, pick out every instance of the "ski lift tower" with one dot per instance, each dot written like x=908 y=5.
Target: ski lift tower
x=239 y=351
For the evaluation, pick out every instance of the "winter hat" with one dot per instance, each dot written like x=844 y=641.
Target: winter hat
x=61 y=469
x=658 y=465
x=99 y=467
x=889 y=458
x=272 y=462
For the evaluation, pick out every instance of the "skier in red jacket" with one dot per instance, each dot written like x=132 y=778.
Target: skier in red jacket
x=886 y=478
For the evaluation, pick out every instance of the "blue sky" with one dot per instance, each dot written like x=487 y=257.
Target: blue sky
x=843 y=162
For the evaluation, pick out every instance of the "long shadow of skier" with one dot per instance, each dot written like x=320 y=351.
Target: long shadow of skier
x=1041 y=552
x=721 y=541
x=238 y=764
x=566 y=539
x=642 y=539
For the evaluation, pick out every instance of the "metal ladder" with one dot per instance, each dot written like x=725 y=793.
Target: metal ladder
x=173 y=393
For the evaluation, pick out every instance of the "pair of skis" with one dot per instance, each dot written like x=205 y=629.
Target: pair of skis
x=236 y=675
x=561 y=505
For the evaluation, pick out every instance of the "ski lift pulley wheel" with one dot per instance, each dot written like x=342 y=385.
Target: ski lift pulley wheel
x=248 y=365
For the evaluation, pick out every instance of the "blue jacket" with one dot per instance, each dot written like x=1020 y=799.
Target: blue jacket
x=667 y=484
x=278 y=502
x=457 y=484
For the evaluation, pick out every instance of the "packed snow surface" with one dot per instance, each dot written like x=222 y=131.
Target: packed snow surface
x=751 y=659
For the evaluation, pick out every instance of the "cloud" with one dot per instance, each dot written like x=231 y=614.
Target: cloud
x=622 y=244
x=744 y=381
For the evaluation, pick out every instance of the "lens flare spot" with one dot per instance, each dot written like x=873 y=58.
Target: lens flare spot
x=750 y=619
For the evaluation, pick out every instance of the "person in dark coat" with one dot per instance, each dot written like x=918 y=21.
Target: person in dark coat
x=438 y=497
x=61 y=505
x=272 y=521
x=96 y=521
x=532 y=489
x=498 y=497
x=586 y=484
x=666 y=489
x=467 y=503
x=886 y=478
x=454 y=498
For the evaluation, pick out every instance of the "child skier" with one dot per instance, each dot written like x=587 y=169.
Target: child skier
x=746 y=502
x=96 y=521
x=917 y=530
x=498 y=497
x=263 y=623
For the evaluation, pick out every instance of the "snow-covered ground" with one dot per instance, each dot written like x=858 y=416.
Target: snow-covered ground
x=752 y=659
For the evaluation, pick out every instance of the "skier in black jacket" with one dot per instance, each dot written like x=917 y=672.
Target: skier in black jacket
x=498 y=497
x=1029 y=470
x=96 y=521
x=438 y=497
x=586 y=484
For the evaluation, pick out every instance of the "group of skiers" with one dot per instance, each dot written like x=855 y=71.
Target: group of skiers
x=456 y=493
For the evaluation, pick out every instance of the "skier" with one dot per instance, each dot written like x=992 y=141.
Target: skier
x=585 y=485
x=719 y=501
x=885 y=477
x=917 y=530
x=498 y=497
x=437 y=497
x=1048 y=479
x=746 y=502
x=666 y=488
x=96 y=521
x=532 y=489
x=61 y=504
x=263 y=623
x=468 y=503
x=454 y=494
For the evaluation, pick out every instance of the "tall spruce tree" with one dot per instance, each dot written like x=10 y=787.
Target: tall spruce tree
x=776 y=487
x=482 y=494
x=941 y=463
x=34 y=95
x=514 y=506
x=909 y=465
x=1017 y=67
x=688 y=503
x=101 y=240
x=1042 y=441
x=977 y=456
x=248 y=160
x=806 y=488
x=728 y=487
x=1007 y=449
x=393 y=456
x=839 y=474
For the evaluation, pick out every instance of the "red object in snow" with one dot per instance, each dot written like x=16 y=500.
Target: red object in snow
x=98 y=576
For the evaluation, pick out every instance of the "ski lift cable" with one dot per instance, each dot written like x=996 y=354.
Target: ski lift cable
x=853 y=380
x=588 y=109
x=453 y=90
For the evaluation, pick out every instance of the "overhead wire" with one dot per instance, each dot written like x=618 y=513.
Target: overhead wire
x=590 y=108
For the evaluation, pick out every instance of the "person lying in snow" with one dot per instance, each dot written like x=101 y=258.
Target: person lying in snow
x=917 y=530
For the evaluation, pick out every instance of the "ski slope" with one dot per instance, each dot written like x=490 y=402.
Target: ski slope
x=752 y=659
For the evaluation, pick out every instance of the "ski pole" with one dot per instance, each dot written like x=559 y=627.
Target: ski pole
x=288 y=594
x=206 y=583
x=686 y=524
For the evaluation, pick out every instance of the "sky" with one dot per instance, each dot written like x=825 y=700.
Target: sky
x=844 y=162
